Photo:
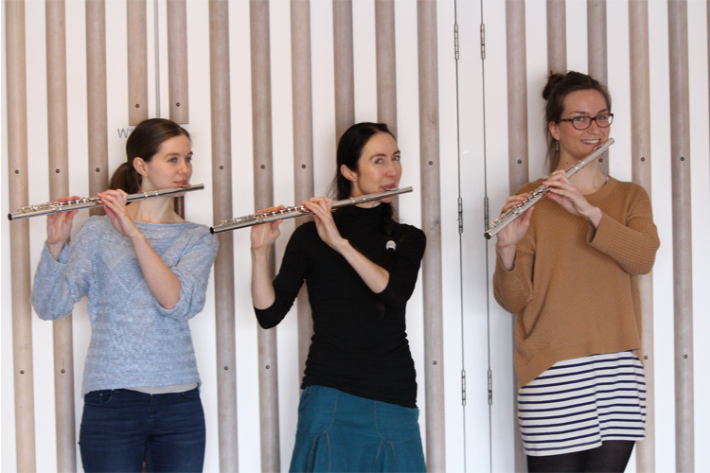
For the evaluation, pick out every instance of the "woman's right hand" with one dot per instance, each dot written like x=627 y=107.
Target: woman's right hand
x=263 y=236
x=59 y=228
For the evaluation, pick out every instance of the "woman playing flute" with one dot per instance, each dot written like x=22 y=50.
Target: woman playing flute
x=358 y=407
x=569 y=270
x=144 y=270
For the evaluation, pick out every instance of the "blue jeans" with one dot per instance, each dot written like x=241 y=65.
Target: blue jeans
x=120 y=428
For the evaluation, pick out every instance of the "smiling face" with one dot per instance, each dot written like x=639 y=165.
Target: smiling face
x=378 y=168
x=170 y=167
x=575 y=144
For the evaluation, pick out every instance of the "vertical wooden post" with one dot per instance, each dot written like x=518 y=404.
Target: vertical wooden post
x=59 y=187
x=386 y=51
x=179 y=105
x=137 y=62
x=682 y=235
x=597 y=53
x=19 y=235
x=96 y=97
x=556 y=36
x=344 y=66
x=516 y=61
x=177 y=62
x=222 y=208
x=517 y=95
x=431 y=225
x=302 y=146
x=641 y=169
x=386 y=64
x=263 y=197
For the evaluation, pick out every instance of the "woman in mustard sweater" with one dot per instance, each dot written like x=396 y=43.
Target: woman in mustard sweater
x=569 y=269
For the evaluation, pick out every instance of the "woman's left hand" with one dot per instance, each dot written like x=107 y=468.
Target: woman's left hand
x=115 y=204
x=568 y=196
x=320 y=207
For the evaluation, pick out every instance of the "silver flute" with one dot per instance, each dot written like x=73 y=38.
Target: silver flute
x=93 y=202
x=515 y=212
x=299 y=211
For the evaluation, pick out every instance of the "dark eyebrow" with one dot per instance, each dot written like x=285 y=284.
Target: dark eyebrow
x=178 y=154
x=587 y=113
x=384 y=155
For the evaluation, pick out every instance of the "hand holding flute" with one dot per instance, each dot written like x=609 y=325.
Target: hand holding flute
x=59 y=227
x=59 y=224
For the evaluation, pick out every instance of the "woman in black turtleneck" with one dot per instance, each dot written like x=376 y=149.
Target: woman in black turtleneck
x=358 y=408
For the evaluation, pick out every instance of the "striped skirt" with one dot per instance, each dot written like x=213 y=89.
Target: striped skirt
x=577 y=404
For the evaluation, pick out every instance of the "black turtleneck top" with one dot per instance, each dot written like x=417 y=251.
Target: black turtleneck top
x=359 y=344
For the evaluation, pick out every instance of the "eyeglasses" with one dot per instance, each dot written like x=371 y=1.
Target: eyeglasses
x=582 y=123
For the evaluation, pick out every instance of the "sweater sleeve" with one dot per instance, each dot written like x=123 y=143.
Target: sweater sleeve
x=404 y=272
x=632 y=244
x=59 y=284
x=514 y=289
x=288 y=282
x=193 y=271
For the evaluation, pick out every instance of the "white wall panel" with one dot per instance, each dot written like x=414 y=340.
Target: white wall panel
x=700 y=188
x=364 y=61
x=576 y=22
x=501 y=323
x=37 y=149
x=618 y=82
x=663 y=269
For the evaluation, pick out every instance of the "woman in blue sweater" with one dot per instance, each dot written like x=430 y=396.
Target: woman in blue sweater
x=358 y=408
x=144 y=270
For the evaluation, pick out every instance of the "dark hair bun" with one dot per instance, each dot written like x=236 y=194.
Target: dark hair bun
x=552 y=80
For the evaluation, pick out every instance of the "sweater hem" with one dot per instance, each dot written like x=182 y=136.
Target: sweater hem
x=541 y=362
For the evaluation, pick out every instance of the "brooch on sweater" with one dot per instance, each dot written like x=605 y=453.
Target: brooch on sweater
x=391 y=245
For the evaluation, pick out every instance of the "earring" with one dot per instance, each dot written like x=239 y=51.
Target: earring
x=557 y=145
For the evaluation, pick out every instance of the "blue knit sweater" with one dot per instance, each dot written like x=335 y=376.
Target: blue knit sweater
x=135 y=342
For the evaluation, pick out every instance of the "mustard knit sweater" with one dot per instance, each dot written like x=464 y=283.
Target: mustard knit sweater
x=575 y=289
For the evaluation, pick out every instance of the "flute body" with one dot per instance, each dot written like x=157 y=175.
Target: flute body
x=300 y=211
x=515 y=212
x=93 y=202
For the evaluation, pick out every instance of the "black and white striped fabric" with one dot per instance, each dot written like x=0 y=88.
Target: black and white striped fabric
x=577 y=404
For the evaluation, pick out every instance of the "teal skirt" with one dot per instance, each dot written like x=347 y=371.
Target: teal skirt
x=341 y=432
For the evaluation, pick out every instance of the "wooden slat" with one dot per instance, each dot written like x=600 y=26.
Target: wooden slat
x=222 y=209
x=556 y=36
x=518 y=166
x=96 y=98
x=19 y=235
x=59 y=187
x=137 y=61
x=431 y=225
x=264 y=197
x=386 y=64
x=302 y=147
x=177 y=61
x=597 y=53
x=641 y=170
x=177 y=73
x=682 y=235
x=386 y=60
x=344 y=66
